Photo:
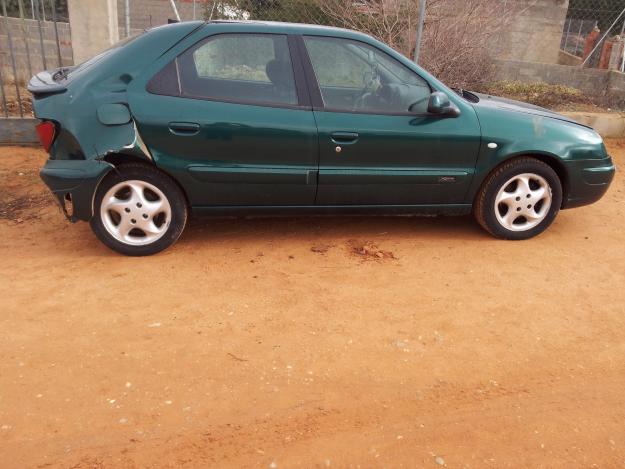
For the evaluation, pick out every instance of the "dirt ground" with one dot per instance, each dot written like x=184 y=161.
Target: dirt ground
x=277 y=343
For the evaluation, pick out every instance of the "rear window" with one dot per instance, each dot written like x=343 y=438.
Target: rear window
x=66 y=73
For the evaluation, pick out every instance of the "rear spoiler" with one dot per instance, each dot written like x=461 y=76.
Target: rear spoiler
x=43 y=83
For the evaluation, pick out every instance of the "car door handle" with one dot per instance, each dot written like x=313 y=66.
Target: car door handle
x=344 y=138
x=184 y=128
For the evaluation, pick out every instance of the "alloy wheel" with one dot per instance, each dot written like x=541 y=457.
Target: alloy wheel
x=523 y=202
x=135 y=212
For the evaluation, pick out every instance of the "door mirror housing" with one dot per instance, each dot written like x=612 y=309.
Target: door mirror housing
x=440 y=105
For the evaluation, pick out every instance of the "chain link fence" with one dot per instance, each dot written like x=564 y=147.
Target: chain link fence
x=460 y=37
x=589 y=25
x=34 y=36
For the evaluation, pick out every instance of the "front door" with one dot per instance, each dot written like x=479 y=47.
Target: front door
x=234 y=129
x=373 y=149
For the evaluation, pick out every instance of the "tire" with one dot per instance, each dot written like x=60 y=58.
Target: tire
x=138 y=210
x=519 y=199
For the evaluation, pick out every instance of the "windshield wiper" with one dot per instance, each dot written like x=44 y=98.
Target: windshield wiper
x=61 y=73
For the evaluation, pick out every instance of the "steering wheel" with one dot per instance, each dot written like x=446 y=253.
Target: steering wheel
x=359 y=104
x=419 y=101
x=373 y=84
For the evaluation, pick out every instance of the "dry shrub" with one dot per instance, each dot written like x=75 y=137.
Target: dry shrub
x=540 y=94
x=614 y=101
x=391 y=21
x=13 y=108
x=459 y=36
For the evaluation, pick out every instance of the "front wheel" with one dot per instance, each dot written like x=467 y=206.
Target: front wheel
x=519 y=200
x=138 y=210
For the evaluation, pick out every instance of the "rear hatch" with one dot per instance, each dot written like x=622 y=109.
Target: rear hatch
x=72 y=97
x=159 y=40
x=56 y=80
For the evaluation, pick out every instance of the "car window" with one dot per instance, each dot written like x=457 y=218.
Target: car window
x=354 y=76
x=254 y=68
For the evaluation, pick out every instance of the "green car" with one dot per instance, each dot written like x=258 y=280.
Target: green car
x=257 y=118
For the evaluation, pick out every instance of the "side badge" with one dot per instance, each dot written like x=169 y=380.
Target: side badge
x=447 y=179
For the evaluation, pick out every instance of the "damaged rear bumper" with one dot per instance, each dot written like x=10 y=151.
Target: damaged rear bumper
x=73 y=183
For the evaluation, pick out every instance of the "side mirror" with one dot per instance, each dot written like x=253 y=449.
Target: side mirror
x=440 y=105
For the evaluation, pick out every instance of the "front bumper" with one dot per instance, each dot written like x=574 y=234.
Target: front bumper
x=588 y=181
x=74 y=181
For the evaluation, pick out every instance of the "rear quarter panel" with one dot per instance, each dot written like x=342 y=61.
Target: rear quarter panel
x=106 y=82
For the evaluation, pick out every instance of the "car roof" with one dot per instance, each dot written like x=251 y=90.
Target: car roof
x=287 y=28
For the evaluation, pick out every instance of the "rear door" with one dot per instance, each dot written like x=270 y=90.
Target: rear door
x=230 y=118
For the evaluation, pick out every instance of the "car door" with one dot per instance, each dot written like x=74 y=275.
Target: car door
x=230 y=118
x=373 y=149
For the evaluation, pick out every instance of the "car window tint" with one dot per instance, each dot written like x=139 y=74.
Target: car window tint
x=354 y=76
x=253 y=68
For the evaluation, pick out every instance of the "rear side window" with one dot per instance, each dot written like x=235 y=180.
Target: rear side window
x=246 y=68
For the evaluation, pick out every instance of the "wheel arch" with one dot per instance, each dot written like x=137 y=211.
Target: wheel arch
x=117 y=159
x=552 y=161
x=556 y=164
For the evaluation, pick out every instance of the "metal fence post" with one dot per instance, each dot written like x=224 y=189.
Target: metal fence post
x=127 y=16
x=417 y=49
x=12 y=52
x=568 y=31
x=173 y=5
x=603 y=37
x=56 y=33
x=5 y=106
x=43 y=50
x=581 y=26
x=26 y=37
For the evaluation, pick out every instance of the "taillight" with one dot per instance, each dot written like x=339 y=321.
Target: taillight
x=46 y=131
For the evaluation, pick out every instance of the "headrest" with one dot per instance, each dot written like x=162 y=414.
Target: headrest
x=279 y=72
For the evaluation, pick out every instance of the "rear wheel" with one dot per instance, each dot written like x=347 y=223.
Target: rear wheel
x=138 y=210
x=519 y=200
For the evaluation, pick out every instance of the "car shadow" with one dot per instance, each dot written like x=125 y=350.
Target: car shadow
x=202 y=232
x=274 y=228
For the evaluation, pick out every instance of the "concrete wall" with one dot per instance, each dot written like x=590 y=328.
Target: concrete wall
x=18 y=131
x=564 y=58
x=94 y=26
x=145 y=14
x=609 y=125
x=535 y=31
x=27 y=33
x=592 y=81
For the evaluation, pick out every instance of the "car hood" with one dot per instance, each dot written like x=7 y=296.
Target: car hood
x=487 y=101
